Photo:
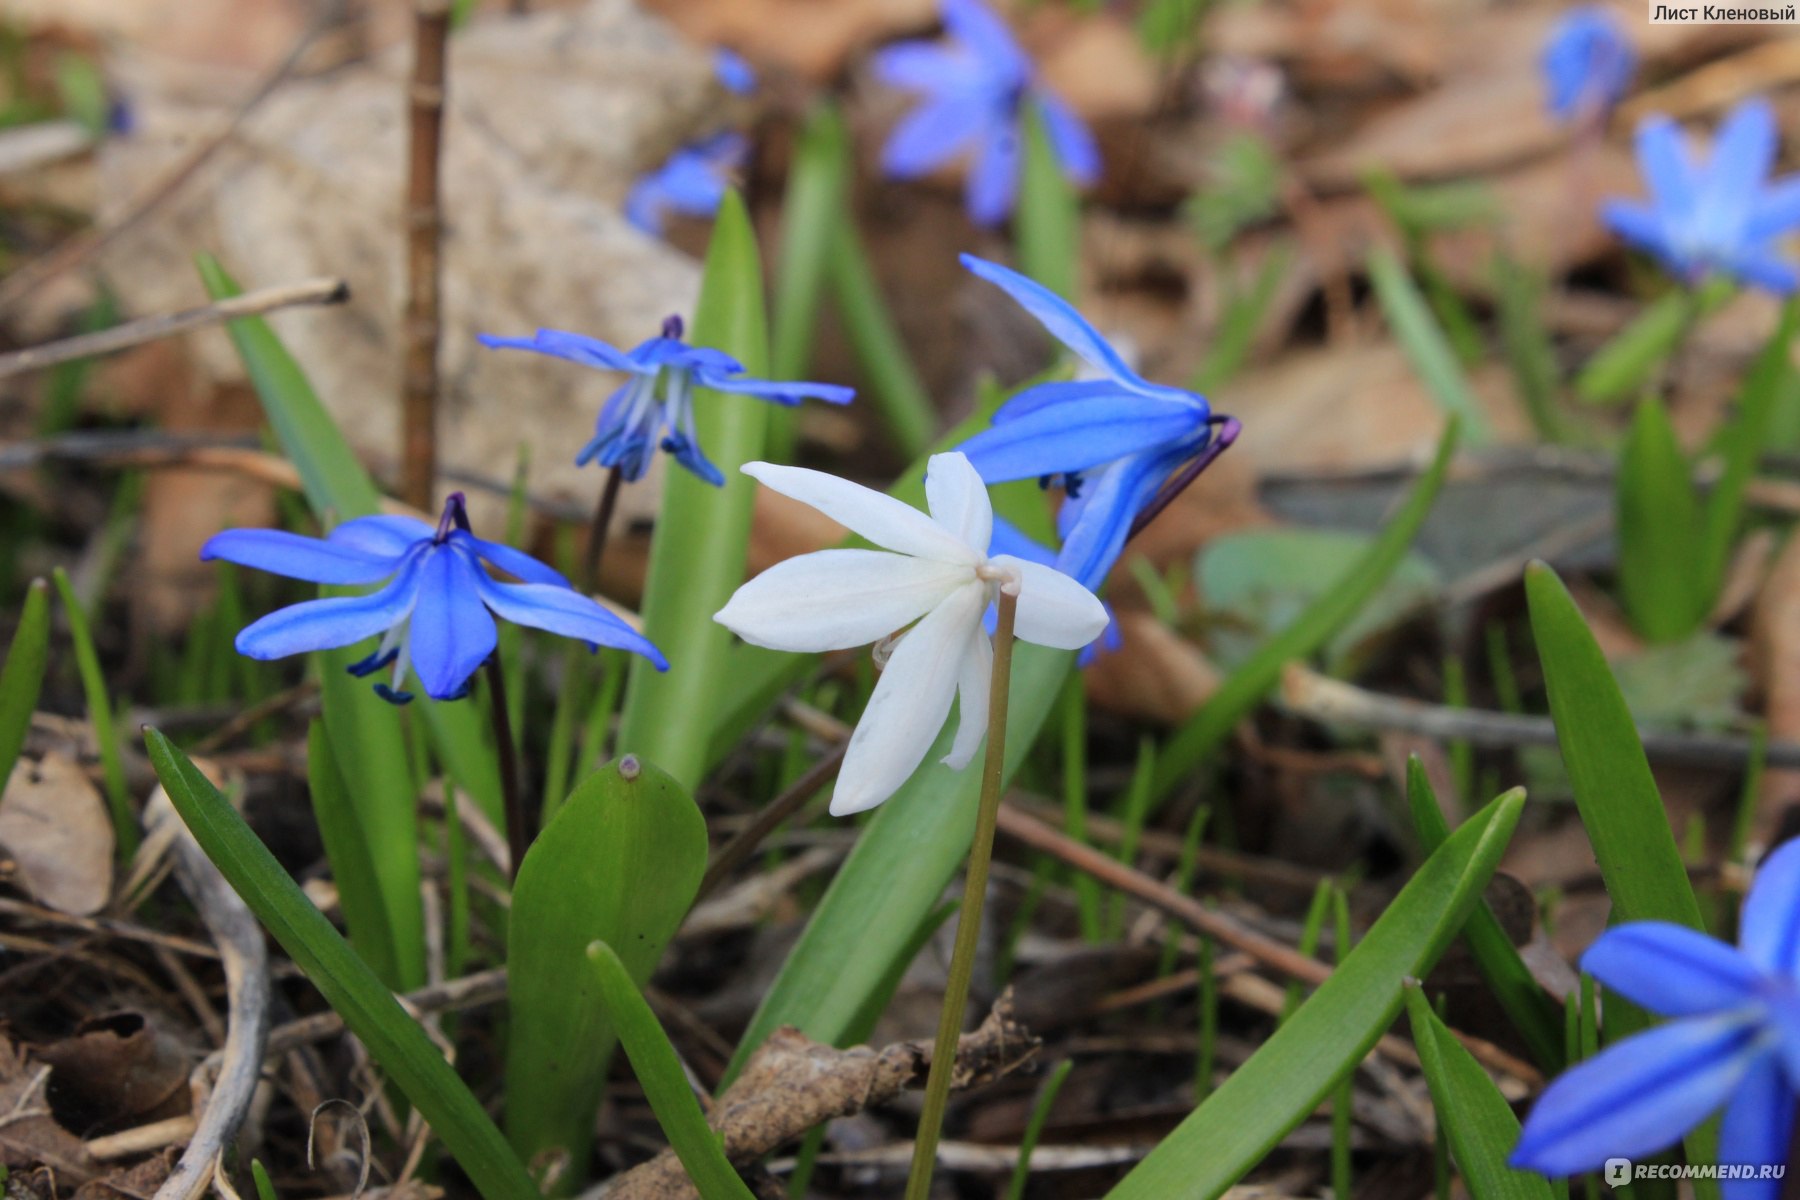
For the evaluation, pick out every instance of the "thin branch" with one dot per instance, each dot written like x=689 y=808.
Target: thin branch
x=733 y=853
x=151 y=329
x=424 y=225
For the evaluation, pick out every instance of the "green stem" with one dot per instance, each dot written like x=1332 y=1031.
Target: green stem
x=968 y=921
x=518 y=821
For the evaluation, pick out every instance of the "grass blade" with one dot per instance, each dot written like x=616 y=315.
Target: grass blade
x=1425 y=344
x=23 y=677
x=347 y=849
x=810 y=211
x=1287 y=1077
x=1049 y=222
x=1624 y=364
x=1659 y=530
x=702 y=532
x=1480 y=1124
x=659 y=1071
x=369 y=1010
x=100 y=715
x=1202 y=733
x=893 y=382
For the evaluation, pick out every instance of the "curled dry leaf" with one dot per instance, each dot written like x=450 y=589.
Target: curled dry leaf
x=126 y=1064
x=793 y=1083
x=54 y=824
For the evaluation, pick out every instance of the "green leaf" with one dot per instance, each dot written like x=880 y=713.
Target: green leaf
x=1659 y=530
x=1245 y=687
x=1624 y=365
x=1297 y=1067
x=1533 y=1013
x=1745 y=439
x=23 y=677
x=810 y=212
x=337 y=488
x=396 y=1043
x=894 y=385
x=348 y=850
x=620 y=863
x=665 y=1084
x=1245 y=309
x=1049 y=221
x=1474 y=1115
x=265 y=1190
x=1614 y=790
x=702 y=532
x=100 y=716
x=1426 y=347
x=1530 y=352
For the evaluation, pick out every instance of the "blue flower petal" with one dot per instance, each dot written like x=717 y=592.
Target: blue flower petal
x=925 y=67
x=1668 y=167
x=1048 y=395
x=1008 y=539
x=1764 y=269
x=1758 y=1124
x=691 y=185
x=733 y=71
x=994 y=182
x=451 y=633
x=514 y=562
x=298 y=557
x=932 y=134
x=1070 y=138
x=1637 y=1096
x=782 y=393
x=389 y=535
x=1060 y=318
x=1743 y=151
x=1672 y=970
x=1769 y=932
x=333 y=622
x=1106 y=509
x=976 y=26
x=645 y=207
x=1640 y=225
x=1067 y=438
x=1775 y=212
x=568 y=613
x=589 y=352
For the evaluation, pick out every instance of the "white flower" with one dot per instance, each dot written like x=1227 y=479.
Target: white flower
x=935 y=571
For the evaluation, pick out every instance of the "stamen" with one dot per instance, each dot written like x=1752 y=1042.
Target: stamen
x=673 y=327
x=373 y=663
x=391 y=696
x=456 y=516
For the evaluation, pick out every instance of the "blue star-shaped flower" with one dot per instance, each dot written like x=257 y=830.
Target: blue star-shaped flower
x=1113 y=441
x=691 y=183
x=734 y=71
x=974 y=88
x=436 y=611
x=1588 y=64
x=1734 y=1044
x=1723 y=216
x=656 y=405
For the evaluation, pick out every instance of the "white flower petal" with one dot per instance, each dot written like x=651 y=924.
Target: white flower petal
x=1054 y=610
x=879 y=517
x=958 y=499
x=836 y=599
x=973 y=683
x=909 y=704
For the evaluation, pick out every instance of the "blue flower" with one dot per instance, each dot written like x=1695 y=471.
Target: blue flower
x=656 y=405
x=1723 y=216
x=974 y=88
x=1735 y=1044
x=1113 y=441
x=1587 y=63
x=732 y=70
x=436 y=609
x=691 y=183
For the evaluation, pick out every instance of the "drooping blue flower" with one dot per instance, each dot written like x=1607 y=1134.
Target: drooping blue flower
x=734 y=71
x=692 y=182
x=655 y=406
x=1113 y=441
x=435 y=612
x=1724 y=215
x=1734 y=1044
x=1588 y=64
x=974 y=88
x=1007 y=538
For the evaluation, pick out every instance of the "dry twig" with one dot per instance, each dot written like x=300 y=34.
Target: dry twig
x=424 y=224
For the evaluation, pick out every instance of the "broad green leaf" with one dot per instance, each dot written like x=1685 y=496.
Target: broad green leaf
x=1049 y=220
x=658 y=1070
x=394 y=1040
x=620 y=863
x=1425 y=344
x=100 y=716
x=1245 y=687
x=348 y=850
x=23 y=677
x=1660 y=574
x=893 y=383
x=337 y=488
x=1624 y=365
x=810 y=211
x=1474 y=1115
x=1614 y=790
x=1745 y=440
x=1298 y=1066
x=702 y=532
x=1533 y=1013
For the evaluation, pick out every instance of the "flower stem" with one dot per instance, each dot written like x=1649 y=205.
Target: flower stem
x=968 y=921
x=596 y=544
x=518 y=822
